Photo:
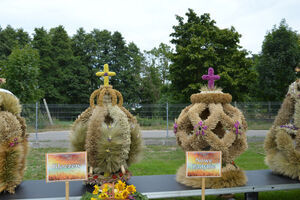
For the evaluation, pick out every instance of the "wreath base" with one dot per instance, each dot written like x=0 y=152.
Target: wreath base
x=99 y=179
x=232 y=176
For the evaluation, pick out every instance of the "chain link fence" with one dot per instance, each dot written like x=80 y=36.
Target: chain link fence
x=155 y=116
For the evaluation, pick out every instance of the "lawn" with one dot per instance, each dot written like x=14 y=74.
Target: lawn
x=166 y=160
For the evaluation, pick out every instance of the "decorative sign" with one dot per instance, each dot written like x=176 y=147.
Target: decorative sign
x=203 y=163
x=66 y=166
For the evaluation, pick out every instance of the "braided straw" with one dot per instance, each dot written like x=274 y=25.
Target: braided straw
x=220 y=134
x=106 y=90
x=120 y=98
x=113 y=95
x=93 y=95
x=101 y=97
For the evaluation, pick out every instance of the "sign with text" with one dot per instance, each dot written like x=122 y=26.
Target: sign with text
x=203 y=163
x=66 y=166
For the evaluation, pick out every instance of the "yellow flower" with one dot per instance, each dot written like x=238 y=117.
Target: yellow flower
x=118 y=195
x=131 y=189
x=105 y=188
x=103 y=195
x=93 y=198
x=96 y=187
x=120 y=186
x=125 y=194
x=95 y=191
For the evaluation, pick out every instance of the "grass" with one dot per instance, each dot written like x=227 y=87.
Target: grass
x=156 y=160
x=57 y=126
x=259 y=125
x=159 y=160
x=166 y=160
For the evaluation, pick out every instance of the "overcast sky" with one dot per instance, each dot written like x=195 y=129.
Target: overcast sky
x=147 y=23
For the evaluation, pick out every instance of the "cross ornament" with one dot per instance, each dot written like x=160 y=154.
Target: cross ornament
x=106 y=73
x=211 y=78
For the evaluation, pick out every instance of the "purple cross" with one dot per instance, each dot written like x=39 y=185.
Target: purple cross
x=236 y=126
x=211 y=78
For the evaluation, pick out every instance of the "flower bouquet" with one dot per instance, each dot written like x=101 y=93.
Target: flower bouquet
x=109 y=191
x=100 y=179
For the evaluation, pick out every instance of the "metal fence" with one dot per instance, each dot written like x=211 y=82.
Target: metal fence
x=147 y=114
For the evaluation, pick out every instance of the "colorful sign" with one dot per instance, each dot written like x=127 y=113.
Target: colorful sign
x=203 y=163
x=66 y=166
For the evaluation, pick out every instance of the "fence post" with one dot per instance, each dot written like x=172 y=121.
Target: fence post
x=48 y=112
x=167 y=120
x=36 y=122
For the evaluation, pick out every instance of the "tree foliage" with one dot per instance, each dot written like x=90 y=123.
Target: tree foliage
x=276 y=64
x=200 y=44
x=21 y=71
x=42 y=43
x=10 y=39
x=155 y=79
x=100 y=47
x=160 y=58
x=64 y=69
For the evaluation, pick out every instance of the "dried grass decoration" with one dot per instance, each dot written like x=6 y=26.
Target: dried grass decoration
x=212 y=124
x=282 y=143
x=13 y=142
x=109 y=134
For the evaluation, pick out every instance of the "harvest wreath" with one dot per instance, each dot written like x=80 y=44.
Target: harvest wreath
x=109 y=133
x=282 y=143
x=13 y=141
x=212 y=124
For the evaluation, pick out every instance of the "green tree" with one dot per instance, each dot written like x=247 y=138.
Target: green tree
x=68 y=78
x=55 y=50
x=125 y=60
x=83 y=45
x=21 y=71
x=132 y=74
x=151 y=86
x=158 y=58
x=200 y=44
x=11 y=39
x=279 y=56
x=41 y=42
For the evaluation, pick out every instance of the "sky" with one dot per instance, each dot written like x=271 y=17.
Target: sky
x=147 y=23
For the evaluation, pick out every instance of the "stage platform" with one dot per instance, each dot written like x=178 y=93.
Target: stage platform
x=155 y=186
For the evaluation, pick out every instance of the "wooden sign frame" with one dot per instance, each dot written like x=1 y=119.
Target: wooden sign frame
x=60 y=155
x=204 y=157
